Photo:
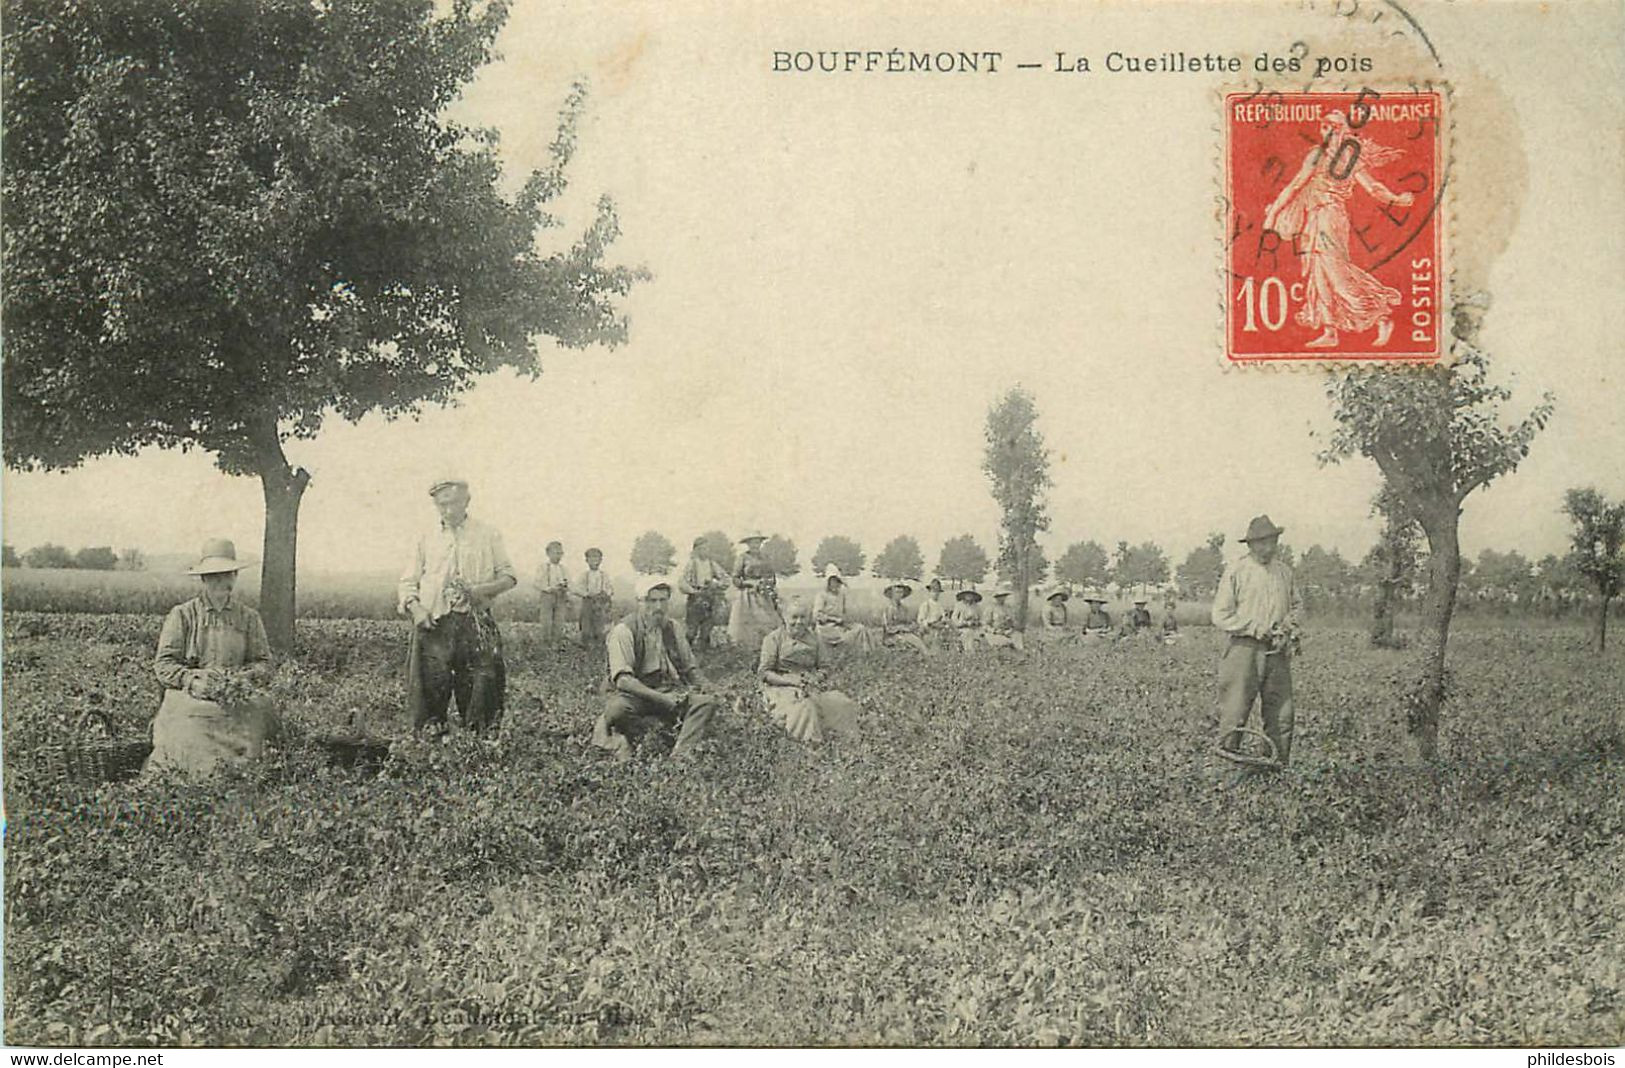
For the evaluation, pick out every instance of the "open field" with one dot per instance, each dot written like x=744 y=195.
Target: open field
x=1016 y=852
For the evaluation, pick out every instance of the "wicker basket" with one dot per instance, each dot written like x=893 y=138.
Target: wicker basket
x=86 y=761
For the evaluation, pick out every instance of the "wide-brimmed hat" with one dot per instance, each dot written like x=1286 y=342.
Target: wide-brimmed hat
x=646 y=583
x=831 y=571
x=934 y=583
x=1261 y=527
x=898 y=584
x=219 y=555
x=699 y=541
x=1094 y=596
x=753 y=534
x=1003 y=589
x=1058 y=591
x=1140 y=598
x=446 y=482
x=962 y=594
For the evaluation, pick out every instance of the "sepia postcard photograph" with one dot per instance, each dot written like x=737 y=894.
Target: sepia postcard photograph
x=758 y=523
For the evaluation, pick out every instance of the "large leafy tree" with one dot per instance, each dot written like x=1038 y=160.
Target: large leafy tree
x=1200 y=573
x=1324 y=571
x=653 y=554
x=781 y=556
x=1084 y=563
x=840 y=550
x=719 y=548
x=1016 y=463
x=962 y=560
x=900 y=559
x=1437 y=435
x=1599 y=548
x=227 y=223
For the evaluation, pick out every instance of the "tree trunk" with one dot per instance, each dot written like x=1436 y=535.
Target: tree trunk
x=1426 y=697
x=1602 y=625
x=1023 y=559
x=284 y=486
x=1382 y=617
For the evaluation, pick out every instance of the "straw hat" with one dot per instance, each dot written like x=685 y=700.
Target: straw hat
x=753 y=534
x=934 y=584
x=219 y=555
x=1003 y=589
x=1140 y=598
x=446 y=483
x=899 y=584
x=1060 y=591
x=967 y=594
x=1261 y=527
x=831 y=571
x=1095 y=597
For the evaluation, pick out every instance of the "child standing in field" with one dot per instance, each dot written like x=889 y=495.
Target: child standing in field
x=552 y=591
x=595 y=591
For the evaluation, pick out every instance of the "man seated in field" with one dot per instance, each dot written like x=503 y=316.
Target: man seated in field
x=898 y=626
x=999 y=628
x=457 y=569
x=655 y=679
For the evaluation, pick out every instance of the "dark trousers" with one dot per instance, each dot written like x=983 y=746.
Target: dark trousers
x=594 y=621
x=633 y=717
x=452 y=660
x=697 y=620
x=1250 y=673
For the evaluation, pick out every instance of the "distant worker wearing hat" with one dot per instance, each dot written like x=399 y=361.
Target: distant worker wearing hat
x=755 y=612
x=999 y=628
x=704 y=585
x=835 y=628
x=214 y=662
x=1098 y=623
x=932 y=623
x=1055 y=616
x=654 y=678
x=597 y=594
x=899 y=628
x=1137 y=620
x=552 y=592
x=1258 y=604
x=457 y=569
x=967 y=618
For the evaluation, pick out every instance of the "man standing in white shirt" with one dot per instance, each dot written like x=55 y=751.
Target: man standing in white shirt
x=1258 y=605
x=457 y=569
x=552 y=591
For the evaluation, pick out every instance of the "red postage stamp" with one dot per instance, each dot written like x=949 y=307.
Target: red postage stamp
x=1334 y=227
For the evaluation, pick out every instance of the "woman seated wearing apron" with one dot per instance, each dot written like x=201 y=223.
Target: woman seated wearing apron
x=214 y=660
x=792 y=663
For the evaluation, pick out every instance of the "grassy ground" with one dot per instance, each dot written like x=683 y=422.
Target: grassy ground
x=1032 y=851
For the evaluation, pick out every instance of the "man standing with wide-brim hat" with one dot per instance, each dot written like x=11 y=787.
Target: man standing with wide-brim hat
x=1258 y=605
x=457 y=569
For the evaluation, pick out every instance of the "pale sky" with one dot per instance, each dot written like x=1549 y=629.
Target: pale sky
x=850 y=268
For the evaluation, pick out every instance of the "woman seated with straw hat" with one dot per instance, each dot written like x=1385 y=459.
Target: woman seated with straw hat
x=1055 y=629
x=1097 y=624
x=898 y=627
x=792 y=667
x=932 y=623
x=999 y=628
x=835 y=628
x=967 y=618
x=214 y=661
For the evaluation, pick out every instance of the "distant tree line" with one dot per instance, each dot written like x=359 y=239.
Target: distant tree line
x=90 y=558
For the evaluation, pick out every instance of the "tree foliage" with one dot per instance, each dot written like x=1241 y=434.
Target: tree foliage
x=9 y=557
x=1325 y=571
x=1599 y=547
x=962 y=560
x=1144 y=564
x=96 y=558
x=227 y=223
x=48 y=555
x=1038 y=567
x=719 y=548
x=1436 y=434
x=900 y=559
x=840 y=550
x=1016 y=464
x=653 y=554
x=1084 y=563
x=1199 y=575
x=781 y=556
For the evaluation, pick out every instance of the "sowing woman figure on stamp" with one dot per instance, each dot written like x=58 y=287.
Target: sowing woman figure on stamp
x=1312 y=213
